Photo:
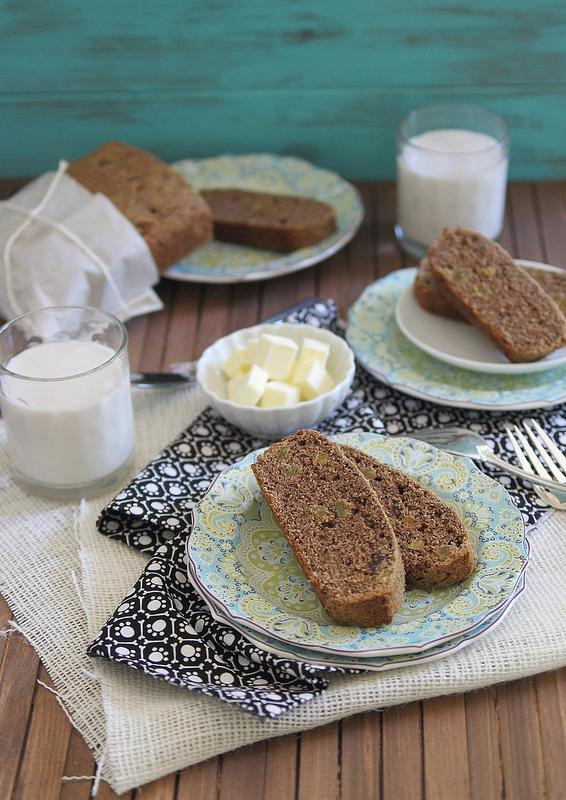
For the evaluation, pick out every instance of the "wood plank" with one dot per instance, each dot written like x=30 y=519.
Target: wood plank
x=403 y=769
x=164 y=788
x=344 y=276
x=319 y=765
x=550 y=199
x=17 y=685
x=520 y=741
x=214 y=315
x=184 y=313
x=318 y=46
x=550 y=690
x=526 y=234
x=200 y=782
x=79 y=761
x=242 y=775
x=48 y=726
x=156 y=329
x=244 y=307
x=388 y=256
x=281 y=768
x=486 y=780
x=446 y=770
x=361 y=763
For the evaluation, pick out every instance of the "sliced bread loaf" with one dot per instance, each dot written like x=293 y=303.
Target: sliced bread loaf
x=272 y=221
x=430 y=296
x=435 y=546
x=171 y=217
x=484 y=284
x=336 y=527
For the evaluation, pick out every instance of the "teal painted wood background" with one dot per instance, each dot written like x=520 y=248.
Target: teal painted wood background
x=325 y=79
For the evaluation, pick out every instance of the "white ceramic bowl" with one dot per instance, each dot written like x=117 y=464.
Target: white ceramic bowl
x=272 y=423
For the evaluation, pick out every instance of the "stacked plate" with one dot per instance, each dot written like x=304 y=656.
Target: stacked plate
x=443 y=360
x=240 y=563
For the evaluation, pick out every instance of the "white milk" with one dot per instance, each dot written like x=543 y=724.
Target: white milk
x=451 y=177
x=67 y=432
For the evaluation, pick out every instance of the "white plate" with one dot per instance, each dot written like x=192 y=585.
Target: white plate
x=222 y=262
x=464 y=345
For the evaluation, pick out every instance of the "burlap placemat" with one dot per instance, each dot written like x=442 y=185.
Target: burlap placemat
x=140 y=729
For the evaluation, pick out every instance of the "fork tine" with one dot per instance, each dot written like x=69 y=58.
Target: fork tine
x=559 y=476
x=550 y=444
x=531 y=455
x=520 y=455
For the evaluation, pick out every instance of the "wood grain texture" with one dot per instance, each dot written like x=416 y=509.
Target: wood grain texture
x=298 y=76
x=360 y=756
x=319 y=763
x=403 y=753
x=486 y=781
x=523 y=768
x=39 y=776
x=501 y=743
x=445 y=744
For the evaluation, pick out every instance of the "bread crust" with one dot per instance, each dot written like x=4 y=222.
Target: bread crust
x=171 y=217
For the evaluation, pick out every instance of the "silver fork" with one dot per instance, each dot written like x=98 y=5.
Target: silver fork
x=534 y=449
x=463 y=442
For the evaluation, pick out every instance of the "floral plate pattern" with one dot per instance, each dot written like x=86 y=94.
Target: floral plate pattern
x=239 y=558
x=222 y=262
x=286 y=650
x=386 y=353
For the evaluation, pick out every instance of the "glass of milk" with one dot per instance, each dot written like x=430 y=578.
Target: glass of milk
x=451 y=172
x=66 y=401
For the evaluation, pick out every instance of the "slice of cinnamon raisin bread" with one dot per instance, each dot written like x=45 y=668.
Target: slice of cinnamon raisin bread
x=489 y=290
x=435 y=546
x=336 y=527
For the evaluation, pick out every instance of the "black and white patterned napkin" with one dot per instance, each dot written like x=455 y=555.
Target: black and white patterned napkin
x=163 y=628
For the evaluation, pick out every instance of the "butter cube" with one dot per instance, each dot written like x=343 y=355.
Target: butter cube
x=247 y=386
x=278 y=355
x=278 y=393
x=312 y=379
x=314 y=350
x=256 y=350
x=238 y=359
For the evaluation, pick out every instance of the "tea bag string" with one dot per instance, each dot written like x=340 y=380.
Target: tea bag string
x=34 y=213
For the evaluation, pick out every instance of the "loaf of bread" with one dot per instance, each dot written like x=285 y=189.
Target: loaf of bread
x=430 y=296
x=434 y=543
x=171 y=217
x=271 y=221
x=336 y=527
x=485 y=285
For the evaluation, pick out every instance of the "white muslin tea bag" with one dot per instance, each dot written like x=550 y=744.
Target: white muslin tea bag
x=62 y=245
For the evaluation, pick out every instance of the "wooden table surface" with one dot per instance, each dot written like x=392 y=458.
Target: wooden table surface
x=507 y=741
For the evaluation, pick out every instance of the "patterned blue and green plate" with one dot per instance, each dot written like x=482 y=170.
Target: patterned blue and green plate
x=221 y=262
x=239 y=559
x=381 y=348
x=443 y=650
